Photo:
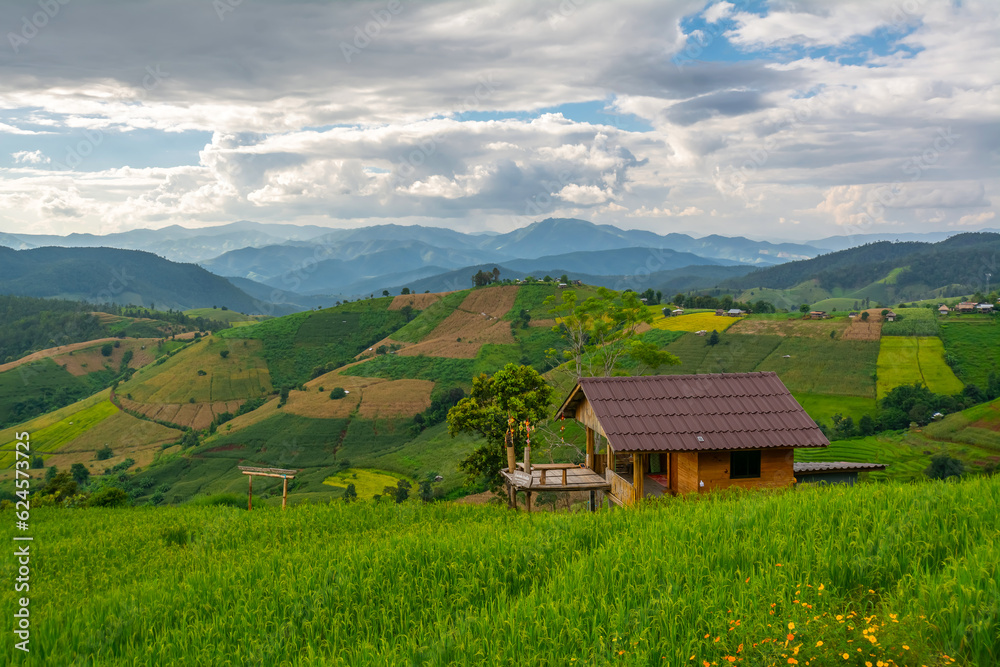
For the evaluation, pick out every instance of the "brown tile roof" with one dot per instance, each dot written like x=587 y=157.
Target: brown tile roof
x=817 y=467
x=697 y=412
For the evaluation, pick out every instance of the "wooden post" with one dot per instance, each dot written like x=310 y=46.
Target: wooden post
x=593 y=501
x=638 y=474
x=284 y=492
x=250 y=494
x=527 y=496
x=590 y=448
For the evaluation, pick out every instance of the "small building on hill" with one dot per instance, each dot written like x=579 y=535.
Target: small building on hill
x=735 y=312
x=817 y=315
x=943 y=309
x=833 y=472
x=676 y=312
x=985 y=307
x=853 y=314
x=890 y=316
x=719 y=312
x=966 y=307
x=676 y=434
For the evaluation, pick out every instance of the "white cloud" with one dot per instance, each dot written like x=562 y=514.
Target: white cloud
x=718 y=11
x=30 y=157
x=974 y=219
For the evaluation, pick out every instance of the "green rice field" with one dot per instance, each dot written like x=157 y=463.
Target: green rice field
x=975 y=346
x=908 y=360
x=828 y=576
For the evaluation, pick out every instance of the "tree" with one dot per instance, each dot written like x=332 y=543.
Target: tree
x=337 y=393
x=80 y=473
x=943 y=466
x=713 y=339
x=385 y=292
x=350 y=493
x=407 y=312
x=104 y=453
x=864 y=316
x=50 y=473
x=514 y=392
x=399 y=493
x=224 y=353
x=426 y=492
x=110 y=496
x=599 y=330
x=679 y=300
x=564 y=279
x=60 y=486
x=107 y=349
x=405 y=290
x=37 y=462
x=496 y=274
x=804 y=308
x=649 y=358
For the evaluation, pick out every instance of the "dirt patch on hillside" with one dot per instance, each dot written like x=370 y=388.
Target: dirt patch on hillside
x=194 y=415
x=319 y=405
x=54 y=351
x=475 y=323
x=795 y=328
x=395 y=398
x=861 y=330
x=90 y=359
x=368 y=353
x=417 y=301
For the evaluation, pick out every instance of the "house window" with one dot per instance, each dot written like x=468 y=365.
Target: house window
x=744 y=465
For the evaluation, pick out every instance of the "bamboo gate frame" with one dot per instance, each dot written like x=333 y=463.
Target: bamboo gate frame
x=281 y=473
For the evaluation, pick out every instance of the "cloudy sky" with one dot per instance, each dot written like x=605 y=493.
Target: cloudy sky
x=767 y=118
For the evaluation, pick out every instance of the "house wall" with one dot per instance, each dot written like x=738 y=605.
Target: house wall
x=848 y=478
x=585 y=415
x=684 y=471
x=775 y=470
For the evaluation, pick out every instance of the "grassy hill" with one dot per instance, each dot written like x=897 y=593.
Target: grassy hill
x=885 y=272
x=397 y=357
x=900 y=573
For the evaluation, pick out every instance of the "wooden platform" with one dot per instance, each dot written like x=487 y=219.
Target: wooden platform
x=577 y=479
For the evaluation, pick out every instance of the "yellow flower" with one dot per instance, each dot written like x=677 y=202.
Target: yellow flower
x=847 y=656
x=791 y=626
x=905 y=647
x=819 y=643
x=821 y=587
x=840 y=617
x=872 y=639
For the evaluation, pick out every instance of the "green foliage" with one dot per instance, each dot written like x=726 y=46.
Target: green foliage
x=972 y=348
x=223 y=353
x=943 y=466
x=80 y=473
x=29 y=324
x=221 y=500
x=111 y=496
x=107 y=349
x=912 y=322
x=441 y=370
x=500 y=407
x=104 y=453
x=713 y=338
x=918 y=562
x=350 y=494
x=337 y=393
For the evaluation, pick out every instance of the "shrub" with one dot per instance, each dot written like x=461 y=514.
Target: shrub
x=337 y=393
x=107 y=349
x=224 y=353
x=943 y=466
x=109 y=497
x=104 y=453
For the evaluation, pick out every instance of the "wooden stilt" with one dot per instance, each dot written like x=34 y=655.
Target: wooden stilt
x=593 y=501
x=250 y=494
x=527 y=495
x=284 y=493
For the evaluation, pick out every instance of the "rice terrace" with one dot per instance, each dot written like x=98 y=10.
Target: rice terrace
x=659 y=334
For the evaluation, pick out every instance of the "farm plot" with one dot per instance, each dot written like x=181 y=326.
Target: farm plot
x=416 y=301
x=395 y=398
x=790 y=326
x=476 y=322
x=908 y=360
x=48 y=439
x=707 y=321
x=127 y=436
x=733 y=354
x=816 y=366
x=202 y=373
x=194 y=415
x=974 y=345
x=367 y=483
x=89 y=359
x=912 y=322
x=865 y=330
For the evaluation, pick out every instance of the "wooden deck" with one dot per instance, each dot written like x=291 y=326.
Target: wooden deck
x=577 y=479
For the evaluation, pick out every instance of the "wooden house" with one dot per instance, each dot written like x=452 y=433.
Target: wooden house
x=985 y=307
x=678 y=434
x=834 y=472
x=943 y=309
x=890 y=316
x=719 y=312
x=966 y=307
x=735 y=312
x=817 y=315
